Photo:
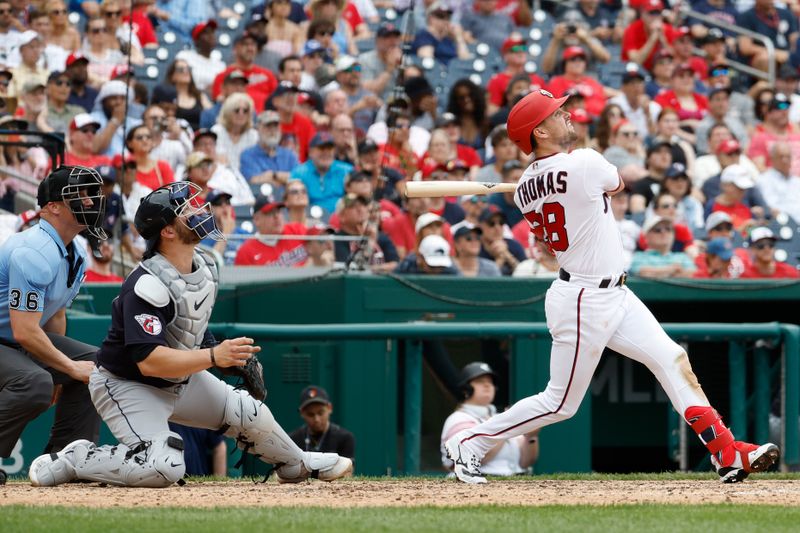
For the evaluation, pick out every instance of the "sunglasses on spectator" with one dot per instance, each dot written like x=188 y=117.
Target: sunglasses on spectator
x=56 y=12
x=494 y=223
x=662 y=229
x=142 y=137
x=518 y=48
x=5 y=83
x=89 y=129
x=763 y=245
x=667 y=206
x=97 y=31
x=325 y=33
x=221 y=202
x=719 y=72
x=781 y=106
x=402 y=125
x=181 y=69
x=62 y=82
x=723 y=227
x=444 y=15
x=241 y=110
x=631 y=133
x=354 y=68
x=296 y=191
x=477 y=200
x=5 y=11
x=205 y=165
x=470 y=237
x=111 y=14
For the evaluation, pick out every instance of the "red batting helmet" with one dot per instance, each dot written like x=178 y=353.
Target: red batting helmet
x=529 y=113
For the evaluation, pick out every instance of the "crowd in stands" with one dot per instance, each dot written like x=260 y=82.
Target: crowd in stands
x=303 y=126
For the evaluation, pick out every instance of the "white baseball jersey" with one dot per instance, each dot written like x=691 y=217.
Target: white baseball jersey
x=563 y=196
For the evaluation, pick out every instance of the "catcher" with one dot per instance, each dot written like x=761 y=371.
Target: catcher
x=152 y=367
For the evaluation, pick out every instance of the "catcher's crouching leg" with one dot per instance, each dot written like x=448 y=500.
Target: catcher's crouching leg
x=156 y=464
x=251 y=423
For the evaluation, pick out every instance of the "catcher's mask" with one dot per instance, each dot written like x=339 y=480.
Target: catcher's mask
x=76 y=186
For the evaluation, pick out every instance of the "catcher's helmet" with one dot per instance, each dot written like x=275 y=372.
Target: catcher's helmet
x=74 y=185
x=472 y=371
x=164 y=205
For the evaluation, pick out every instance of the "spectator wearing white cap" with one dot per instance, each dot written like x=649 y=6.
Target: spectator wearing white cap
x=735 y=180
x=432 y=257
x=109 y=112
x=81 y=132
x=781 y=188
x=432 y=224
x=658 y=261
x=362 y=104
x=762 y=244
x=730 y=153
x=31 y=47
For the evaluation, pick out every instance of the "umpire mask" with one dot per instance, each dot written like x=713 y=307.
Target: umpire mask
x=80 y=189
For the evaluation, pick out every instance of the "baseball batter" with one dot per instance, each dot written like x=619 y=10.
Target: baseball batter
x=152 y=367
x=565 y=198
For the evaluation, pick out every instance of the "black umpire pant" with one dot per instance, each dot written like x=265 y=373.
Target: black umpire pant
x=26 y=390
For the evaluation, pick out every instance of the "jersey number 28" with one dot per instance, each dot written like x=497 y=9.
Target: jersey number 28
x=553 y=221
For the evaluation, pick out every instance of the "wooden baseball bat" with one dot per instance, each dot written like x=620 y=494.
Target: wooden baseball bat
x=436 y=189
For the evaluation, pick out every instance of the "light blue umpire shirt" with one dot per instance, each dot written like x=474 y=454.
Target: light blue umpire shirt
x=34 y=274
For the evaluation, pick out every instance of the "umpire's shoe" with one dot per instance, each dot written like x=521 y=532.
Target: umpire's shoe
x=466 y=464
x=749 y=458
x=323 y=466
x=53 y=469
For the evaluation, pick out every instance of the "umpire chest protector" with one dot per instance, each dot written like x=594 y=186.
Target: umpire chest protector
x=192 y=296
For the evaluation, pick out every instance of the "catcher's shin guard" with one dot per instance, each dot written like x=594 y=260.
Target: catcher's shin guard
x=155 y=464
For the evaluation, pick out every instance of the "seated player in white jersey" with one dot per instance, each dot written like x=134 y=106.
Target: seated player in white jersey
x=153 y=367
x=509 y=457
x=565 y=197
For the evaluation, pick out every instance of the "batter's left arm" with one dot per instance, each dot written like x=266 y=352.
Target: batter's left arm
x=619 y=189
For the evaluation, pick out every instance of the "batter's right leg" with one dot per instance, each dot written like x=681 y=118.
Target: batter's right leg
x=580 y=322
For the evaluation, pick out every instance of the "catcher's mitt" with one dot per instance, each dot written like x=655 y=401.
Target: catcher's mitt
x=252 y=376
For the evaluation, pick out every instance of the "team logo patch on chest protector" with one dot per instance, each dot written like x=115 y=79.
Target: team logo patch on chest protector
x=192 y=296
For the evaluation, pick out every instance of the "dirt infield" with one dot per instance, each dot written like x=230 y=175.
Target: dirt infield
x=409 y=493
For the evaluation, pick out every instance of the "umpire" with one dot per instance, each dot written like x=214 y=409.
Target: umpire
x=41 y=270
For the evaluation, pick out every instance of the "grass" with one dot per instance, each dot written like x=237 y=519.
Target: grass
x=479 y=519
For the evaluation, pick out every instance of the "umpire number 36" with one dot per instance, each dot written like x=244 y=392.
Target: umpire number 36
x=31 y=300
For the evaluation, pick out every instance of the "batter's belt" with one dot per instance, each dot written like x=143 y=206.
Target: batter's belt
x=604 y=283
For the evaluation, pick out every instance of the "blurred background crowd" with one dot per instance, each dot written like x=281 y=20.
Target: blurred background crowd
x=301 y=122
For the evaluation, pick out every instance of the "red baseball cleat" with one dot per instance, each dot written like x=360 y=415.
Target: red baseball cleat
x=748 y=458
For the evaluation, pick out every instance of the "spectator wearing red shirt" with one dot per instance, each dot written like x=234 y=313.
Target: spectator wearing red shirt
x=266 y=248
x=719 y=224
x=717 y=260
x=150 y=172
x=142 y=25
x=682 y=49
x=647 y=35
x=100 y=271
x=735 y=180
x=293 y=123
x=764 y=265
x=594 y=94
x=515 y=54
x=82 y=130
x=260 y=81
x=397 y=152
x=776 y=127
x=666 y=206
x=690 y=105
x=401 y=228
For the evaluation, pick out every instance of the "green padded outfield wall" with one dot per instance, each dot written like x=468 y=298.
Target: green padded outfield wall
x=363 y=376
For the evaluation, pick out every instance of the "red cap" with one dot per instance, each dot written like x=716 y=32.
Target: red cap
x=529 y=113
x=683 y=67
x=683 y=31
x=116 y=161
x=120 y=70
x=572 y=51
x=319 y=229
x=728 y=147
x=456 y=164
x=511 y=42
x=619 y=124
x=580 y=116
x=648 y=5
x=200 y=28
x=75 y=56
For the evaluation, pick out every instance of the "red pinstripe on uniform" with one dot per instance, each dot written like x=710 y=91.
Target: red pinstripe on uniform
x=564 y=399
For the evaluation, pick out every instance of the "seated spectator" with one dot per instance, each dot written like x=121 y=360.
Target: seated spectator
x=719 y=224
x=322 y=175
x=284 y=99
x=658 y=261
x=295 y=197
x=690 y=106
x=319 y=434
x=171 y=143
x=503 y=150
x=611 y=115
x=401 y=228
x=722 y=10
x=375 y=250
x=205 y=452
x=379 y=65
x=713 y=45
x=683 y=49
x=740 y=106
x=362 y=104
x=668 y=130
x=658 y=160
x=446 y=207
x=344 y=139
x=440 y=38
x=599 y=18
x=648 y=34
x=199 y=168
x=778 y=24
x=109 y=113
x=385 y=180
x=319 y=251
x=99 y=270
x=457 y=148
x=102 y=57
x=234 y=82
x=223 y=177
x=432 y=257
x=32 y=104
x=626 y=149
x=360 y=183
x=717 y=259
x=776 y=127
x=506 y=253
x=204 y=67
x=628 y=229
x=422 y=101
x=432 y=224
x=225 y=219
x=689 y=209
x=267 y=162
x=485 y=24
x=634 y=102
x=234 y=129
x=781 y=188
x=665 y=206
x=542 y=262
x=337 y=33
x=119 y=35
x=59 y=113
x=265 y=57
x=467 y=241
x=512 y=172
x=63 y=33
x=735 y=180
x=581 y=122
x=397 y=153
x=30 y=48
x=724 y=150
x=762 y=243
x=467 y=104
x=575 y=61
x=509 y=457
x=267 y=248
x=573 y=31
x=260 y=81
x=661 y=73
x=719 y=112
x=151 y=173
x=284 y=37
x=188 y=99
x=515 y=55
